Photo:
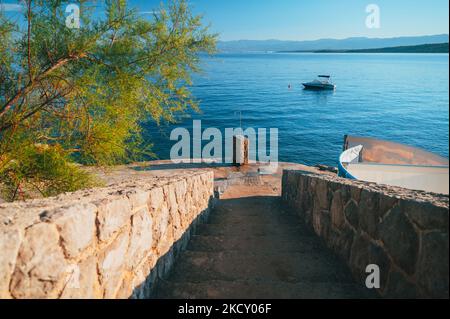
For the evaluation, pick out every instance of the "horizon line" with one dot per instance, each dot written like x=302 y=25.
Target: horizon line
x=345 y=38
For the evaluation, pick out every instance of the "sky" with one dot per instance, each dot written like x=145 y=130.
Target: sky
x=314 y=19
x=310 y=19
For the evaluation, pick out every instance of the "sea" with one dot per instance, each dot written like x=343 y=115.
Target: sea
x=397 y=97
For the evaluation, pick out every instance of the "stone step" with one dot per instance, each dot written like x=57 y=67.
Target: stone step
x=252 y=229
x=258 y=210
x=263 y=289
x=250 y=243
x=251 y=206
x=237 y=218
x=194 y=266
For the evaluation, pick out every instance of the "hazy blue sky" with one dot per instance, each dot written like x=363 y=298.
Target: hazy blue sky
x=311 y=19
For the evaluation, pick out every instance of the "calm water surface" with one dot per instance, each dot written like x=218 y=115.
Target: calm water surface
x=398 y=97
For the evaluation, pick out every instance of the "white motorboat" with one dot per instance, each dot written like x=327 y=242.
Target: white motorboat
x=394 y=164
x=323 y=82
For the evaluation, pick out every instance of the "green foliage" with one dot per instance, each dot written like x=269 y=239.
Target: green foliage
x=84 y=92
x=43 y=170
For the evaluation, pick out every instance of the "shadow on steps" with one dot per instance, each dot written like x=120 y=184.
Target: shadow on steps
x=253 y=248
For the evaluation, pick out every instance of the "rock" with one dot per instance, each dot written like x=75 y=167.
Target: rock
x=322 y=195
x=112 y=264
x=83 y=282
x=432 y=267
x=400 y=239
x=326 y=168
x=144 y=278
x=404 y=232
x=76 y=226
x=351 y=213
x=346 y=194
x=364 y=253
x=325 y=220
x=10 y=241
x=426 y=215
x=355 y=193
x=125 y=288
x=160 y=226
x=40 y=267
x=378 y=256
x=100 y=243
x=156 y=198
x=386 y=202
x=175 y=219
x=341 y=242
x=141 y=239
x=138 y=199
x=368 y=213
x=359 y=257
x=113 y=214
x=337 y=210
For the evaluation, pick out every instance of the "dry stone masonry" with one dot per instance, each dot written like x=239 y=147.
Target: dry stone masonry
x=113 y=242
x=404 y=232
x=119 y=241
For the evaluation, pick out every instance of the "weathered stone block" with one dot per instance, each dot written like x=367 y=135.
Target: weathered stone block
x=355 y=193
x=322 y=195
x=364 y=253
x=426 y=215
x=432 y=267
x=404 y=232
x=141 y=239
x=351 y=213
x=378 y=256
x=346 y=194
x=337 y=210
x=386 y=202
x=113 y=214
x=125 y=289
x=400 y=239
x=102 y=243
x=368 y=213
x=82 y=281
x=112 y=264
x=76 y=226
x=40 y=267
x=341 y=242
x=138 y=199
x=10 y=241
x=156 y=198
x=359 y=257
x=161 y=220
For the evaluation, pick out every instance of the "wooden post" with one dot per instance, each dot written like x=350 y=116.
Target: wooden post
x=240 y=150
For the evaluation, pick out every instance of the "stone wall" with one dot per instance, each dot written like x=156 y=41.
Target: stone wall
x=113 y=242
x=404 y=232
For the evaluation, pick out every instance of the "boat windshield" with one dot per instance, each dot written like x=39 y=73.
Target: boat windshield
x=324 y=78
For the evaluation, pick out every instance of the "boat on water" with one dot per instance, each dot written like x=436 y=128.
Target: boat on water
x=323 y=82
x=394 y=164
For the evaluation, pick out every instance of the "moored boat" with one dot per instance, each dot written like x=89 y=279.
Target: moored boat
x=323 y=82
x=394 y=164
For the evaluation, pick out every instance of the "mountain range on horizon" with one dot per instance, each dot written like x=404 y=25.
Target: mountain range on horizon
x=353 y=43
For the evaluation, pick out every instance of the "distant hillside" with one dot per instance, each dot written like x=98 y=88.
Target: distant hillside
x=424 y=48
x=359 y=43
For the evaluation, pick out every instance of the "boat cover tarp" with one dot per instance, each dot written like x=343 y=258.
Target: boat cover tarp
x=385 y=152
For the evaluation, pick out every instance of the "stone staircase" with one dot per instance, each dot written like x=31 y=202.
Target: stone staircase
x=252 y=248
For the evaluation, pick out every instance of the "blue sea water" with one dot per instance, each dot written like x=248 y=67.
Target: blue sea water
x=398 y=97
